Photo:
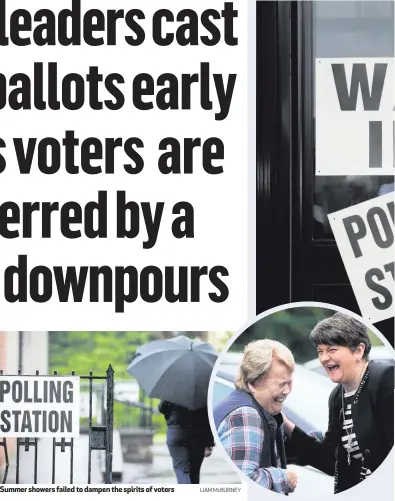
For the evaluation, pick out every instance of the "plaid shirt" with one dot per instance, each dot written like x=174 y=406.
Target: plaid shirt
x=242 y=436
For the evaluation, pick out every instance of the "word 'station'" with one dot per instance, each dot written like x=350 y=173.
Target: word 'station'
x=122 y=165
x=39 y=406
x=364 y=235
x=355 y=126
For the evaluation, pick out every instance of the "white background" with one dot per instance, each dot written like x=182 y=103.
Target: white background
x=220 y=201
x=10 y=405
x=372 y=257
x=342 y=137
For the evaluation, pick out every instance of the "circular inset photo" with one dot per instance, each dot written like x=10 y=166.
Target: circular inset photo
x=302 y=401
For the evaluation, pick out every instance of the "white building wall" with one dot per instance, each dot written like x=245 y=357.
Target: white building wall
x=35 y=352
x=12 y=352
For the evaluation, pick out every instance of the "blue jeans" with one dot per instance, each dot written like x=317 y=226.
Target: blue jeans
x=187 y=455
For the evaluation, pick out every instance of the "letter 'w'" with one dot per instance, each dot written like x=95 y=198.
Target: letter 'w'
x=359 y=78
x=70 y=281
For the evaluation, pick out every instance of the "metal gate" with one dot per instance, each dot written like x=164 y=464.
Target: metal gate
x=100 y=435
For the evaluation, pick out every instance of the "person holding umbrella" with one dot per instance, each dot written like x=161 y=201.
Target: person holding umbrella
x=177 y=371
x=189 y=440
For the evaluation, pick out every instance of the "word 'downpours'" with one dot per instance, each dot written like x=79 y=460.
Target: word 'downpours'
x=124 y=284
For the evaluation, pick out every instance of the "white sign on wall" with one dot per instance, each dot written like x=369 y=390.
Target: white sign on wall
x=364 y=235
x=37 y=406
x=355 y=116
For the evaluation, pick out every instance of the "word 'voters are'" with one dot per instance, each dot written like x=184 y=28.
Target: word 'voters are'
x=94 y=156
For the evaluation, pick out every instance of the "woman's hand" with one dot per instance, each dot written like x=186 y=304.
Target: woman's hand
x=288 y=425
x=292 y=480
x=208 y=451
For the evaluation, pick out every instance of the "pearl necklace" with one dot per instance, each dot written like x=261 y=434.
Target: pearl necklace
x=364 y=376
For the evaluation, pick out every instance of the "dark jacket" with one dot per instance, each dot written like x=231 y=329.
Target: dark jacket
x=195 y=424
x=373 y=419
x=271 y=426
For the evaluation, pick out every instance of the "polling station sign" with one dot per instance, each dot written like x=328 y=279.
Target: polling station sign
x=39 y=406
x=364 y=235
x=354 y=116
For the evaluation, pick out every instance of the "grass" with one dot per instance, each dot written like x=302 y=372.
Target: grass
x=375 y=340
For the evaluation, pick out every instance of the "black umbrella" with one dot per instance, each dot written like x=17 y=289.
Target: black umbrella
x=177 y=370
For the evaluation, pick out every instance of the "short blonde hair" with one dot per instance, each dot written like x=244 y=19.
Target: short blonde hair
x=257 y=360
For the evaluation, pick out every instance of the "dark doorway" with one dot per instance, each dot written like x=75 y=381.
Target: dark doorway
x=297 y=257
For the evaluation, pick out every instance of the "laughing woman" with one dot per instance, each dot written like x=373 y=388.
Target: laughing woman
x=361 y=407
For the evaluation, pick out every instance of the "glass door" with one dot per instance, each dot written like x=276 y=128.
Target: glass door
x=330 y=29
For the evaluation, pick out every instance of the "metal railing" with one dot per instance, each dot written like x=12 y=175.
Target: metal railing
x=128 y=418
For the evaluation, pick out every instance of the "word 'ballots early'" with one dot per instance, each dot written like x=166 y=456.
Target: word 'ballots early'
x=39 y=406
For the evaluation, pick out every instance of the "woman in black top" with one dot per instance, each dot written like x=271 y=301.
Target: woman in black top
x=361 y=408
x=189 y=440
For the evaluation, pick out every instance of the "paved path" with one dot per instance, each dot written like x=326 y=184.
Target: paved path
x=215 y=470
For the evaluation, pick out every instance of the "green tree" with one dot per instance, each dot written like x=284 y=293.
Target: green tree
x=291 y=327
x=83 y=351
